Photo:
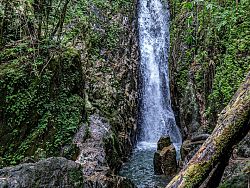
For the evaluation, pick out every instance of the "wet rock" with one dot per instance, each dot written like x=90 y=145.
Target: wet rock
x=165 y=161
x=243 y=148
x=100 y=155
x=189 y=148
x=51 y=172
x=169 y=164
x=236 y=174
x=163 y=142
x=199 y=137
x=158 y=163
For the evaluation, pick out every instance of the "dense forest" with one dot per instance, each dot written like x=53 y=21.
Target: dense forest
x=70 y=92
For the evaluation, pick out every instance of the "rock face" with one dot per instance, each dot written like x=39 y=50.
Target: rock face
x=243 y=148
x=165 y=158
x=51 y=172
x=89 y=139
x=91 y=169
x=96 y=154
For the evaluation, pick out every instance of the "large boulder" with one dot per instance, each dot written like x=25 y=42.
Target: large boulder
x=165 y=161
x=99 y=155
x=51 y=172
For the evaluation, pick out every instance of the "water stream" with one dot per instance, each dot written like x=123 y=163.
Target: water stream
x=156 y=117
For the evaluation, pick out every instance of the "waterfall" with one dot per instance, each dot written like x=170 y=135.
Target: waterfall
x=156 y=115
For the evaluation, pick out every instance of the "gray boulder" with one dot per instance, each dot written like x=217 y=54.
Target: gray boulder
x=51 y=172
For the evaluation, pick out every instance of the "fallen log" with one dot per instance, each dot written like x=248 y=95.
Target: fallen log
x=206 y=167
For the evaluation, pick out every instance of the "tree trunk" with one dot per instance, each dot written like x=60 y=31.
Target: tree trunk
x=232 y=125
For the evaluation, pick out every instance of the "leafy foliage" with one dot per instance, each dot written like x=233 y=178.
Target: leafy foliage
x=41 y=102
x=211 y=43
x=57 y=55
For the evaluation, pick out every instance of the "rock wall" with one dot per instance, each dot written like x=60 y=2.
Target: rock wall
x=206 y=63
x=71 y=59
x=209 y=58
x=111 y=74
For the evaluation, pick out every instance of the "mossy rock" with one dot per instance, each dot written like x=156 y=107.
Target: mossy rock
x=238 y=181
x=41 y=104
x=113 y=152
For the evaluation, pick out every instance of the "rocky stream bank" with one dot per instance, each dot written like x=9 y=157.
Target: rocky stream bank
x=99 y=157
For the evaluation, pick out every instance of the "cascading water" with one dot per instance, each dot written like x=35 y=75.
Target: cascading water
x=156 y=115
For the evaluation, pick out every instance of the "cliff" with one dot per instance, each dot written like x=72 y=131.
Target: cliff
x=60 y=62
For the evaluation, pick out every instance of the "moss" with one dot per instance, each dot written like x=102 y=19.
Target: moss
x=195 y=174
x=40 y=101
x=113 y=151
x=210 y=47
x=76 y=177
x=239 y=181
